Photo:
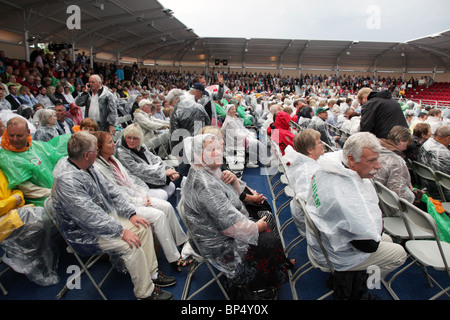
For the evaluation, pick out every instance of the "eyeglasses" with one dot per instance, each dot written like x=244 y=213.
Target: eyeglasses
x=132 y=138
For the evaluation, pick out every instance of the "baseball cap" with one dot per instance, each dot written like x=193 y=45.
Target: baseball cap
x=321 y=109
x=143 y=102
x=199 y=86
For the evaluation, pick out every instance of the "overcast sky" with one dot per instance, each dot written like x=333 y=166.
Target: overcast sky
x=362 y=20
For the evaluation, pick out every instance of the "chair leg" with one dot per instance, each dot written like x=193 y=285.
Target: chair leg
x=91 y=261
x=388 y=284
x=187 y=285
x=426 y=275
x=215 y=278
x=4 y=291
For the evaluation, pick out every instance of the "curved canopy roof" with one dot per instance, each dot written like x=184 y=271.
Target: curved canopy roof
x=147 y=31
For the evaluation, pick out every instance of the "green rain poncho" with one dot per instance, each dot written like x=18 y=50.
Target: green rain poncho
x=34 y=165
x=240 y=110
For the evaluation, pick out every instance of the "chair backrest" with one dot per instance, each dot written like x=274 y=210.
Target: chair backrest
x=182 y=213
x=387 y=196
x=417 y=216
x=295 y=126
x=312 y=228
x=327 y=147
x=424 y=171
x=443 y=180
x=48 y=208
x=425 y=221
x=278 y=155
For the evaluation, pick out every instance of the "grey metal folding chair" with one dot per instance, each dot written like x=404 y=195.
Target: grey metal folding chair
x=425 y=173
x=396 y=225
x=426 y=253
x=199 y=261
x=443 y=180
x=2 y=288
x=312 y=263
x=85 y=266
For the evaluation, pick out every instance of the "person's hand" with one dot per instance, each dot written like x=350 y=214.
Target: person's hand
x=18 y=199
x=257 y=198
x=112 y=130
x=131 y=238
x=139 y=220
x=148 y=202
x=172 y=174
x=228 y=177
x=220 y=79
x=262 y=224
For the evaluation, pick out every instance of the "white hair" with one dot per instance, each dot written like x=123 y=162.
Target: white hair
x=134 y=129
x=174 y=94
x=97 y=77
x=357 y=142
x=45 y=115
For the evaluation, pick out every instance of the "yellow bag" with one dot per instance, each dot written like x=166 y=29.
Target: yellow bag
x=8 y=223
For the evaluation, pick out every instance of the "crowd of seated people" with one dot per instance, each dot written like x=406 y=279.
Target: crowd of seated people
x=46 y=102
x=408 y=140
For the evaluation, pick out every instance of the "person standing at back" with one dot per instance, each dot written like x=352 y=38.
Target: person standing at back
x=380 y=114
x=100 y=104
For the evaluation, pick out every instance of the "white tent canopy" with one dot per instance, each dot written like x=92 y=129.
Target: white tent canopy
x=146 y=31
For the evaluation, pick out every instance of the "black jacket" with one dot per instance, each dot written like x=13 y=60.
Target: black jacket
x=381 y=113
x=14 y=103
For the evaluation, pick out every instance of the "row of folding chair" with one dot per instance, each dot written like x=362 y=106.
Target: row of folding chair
x=311 y=264
x=296 y=128
x=84 y=266
x=200 y=261
x=344 y=135
x=308 y=265
x=85 y=263
x=441 y=179
x=121 y=121
x=420 y=232
x=283 y=224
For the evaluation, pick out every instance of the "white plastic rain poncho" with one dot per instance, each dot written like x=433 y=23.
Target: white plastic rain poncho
x=93 y=216
x=237 y=135
x=437 y=157
x=25 y=237
x=234 y=129
x=394 y=173
x=344 y=208
x=87 y=207
x=299 y=173
x=45 y=133
x=159 y=213
x=187 y=119
x=219 y=219
x=320 y=125
x=434 y=123
x=145 y=165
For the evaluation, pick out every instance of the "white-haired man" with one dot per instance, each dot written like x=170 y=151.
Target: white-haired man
x=100 y=104
x=159 y=142
x=350 y=223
